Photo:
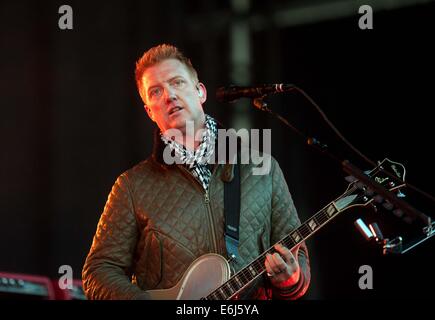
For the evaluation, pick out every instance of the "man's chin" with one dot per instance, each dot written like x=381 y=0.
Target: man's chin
x=183 y=123
x=179 y=124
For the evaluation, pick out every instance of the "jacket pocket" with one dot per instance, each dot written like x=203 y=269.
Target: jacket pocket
x=150 y=262
x=174 y=258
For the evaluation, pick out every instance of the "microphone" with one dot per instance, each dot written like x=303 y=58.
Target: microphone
x=232 y=93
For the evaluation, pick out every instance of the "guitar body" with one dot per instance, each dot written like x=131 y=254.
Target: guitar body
x=204 y=275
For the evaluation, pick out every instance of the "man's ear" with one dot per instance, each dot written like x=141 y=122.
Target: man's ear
x=150 y=113
x=202 y=92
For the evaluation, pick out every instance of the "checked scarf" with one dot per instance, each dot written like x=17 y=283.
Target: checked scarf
x=197 y=161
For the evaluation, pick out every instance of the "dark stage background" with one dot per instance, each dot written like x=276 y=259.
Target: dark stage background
x=72 y=121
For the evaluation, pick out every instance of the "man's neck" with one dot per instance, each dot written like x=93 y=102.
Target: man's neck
x=191 y=140
x=190 y=135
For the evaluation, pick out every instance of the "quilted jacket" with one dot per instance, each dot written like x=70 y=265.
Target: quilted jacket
x=158 y=219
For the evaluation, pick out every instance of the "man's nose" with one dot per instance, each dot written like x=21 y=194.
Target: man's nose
x=170 y=94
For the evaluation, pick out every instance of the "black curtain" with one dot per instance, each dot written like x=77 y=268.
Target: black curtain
x=72 y=121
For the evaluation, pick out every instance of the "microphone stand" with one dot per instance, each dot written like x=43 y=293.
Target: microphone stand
x=311 y=141
x=389 y=246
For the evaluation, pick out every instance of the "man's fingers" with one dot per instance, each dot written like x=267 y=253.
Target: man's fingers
x=272 y=263
x=272 y=268
x=277 y=265
x=287 y=255
x=268 y=267
x=280 y=264
x=295 y=252
x=282 y=267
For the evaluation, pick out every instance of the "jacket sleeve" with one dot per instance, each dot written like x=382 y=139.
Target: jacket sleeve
x=284 y=220
x=106 y=272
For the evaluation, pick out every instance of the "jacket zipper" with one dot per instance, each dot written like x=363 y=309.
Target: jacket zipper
x=207 y=206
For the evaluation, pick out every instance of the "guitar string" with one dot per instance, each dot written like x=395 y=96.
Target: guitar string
x=247 y=275
x=228 y=290
x=244 y=272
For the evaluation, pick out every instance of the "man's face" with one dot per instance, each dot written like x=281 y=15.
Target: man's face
x=172 y=97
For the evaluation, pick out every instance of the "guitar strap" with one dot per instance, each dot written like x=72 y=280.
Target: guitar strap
x=232 y=211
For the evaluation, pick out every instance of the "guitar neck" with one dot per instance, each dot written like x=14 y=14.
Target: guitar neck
x=249 y=273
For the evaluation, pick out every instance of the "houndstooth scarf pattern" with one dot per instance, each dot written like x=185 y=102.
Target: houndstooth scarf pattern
x=196 y=161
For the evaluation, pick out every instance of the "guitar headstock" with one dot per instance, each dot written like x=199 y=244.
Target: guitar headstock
x=389 y=174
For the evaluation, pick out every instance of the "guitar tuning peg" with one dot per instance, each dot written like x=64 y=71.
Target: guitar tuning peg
x=350 y=178
x=360 y=185
x=388 y=205
x=368 y=192
x=400 y=194
x=398 y=213
x=378 y=198
x=409 y=219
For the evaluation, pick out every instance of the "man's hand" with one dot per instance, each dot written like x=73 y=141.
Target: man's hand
x=282 y=267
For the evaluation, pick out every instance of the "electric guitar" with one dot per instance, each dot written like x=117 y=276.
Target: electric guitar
x=209 y=276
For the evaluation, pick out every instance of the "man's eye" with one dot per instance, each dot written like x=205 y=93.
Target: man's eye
x=178 y=82
x=155 y=92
